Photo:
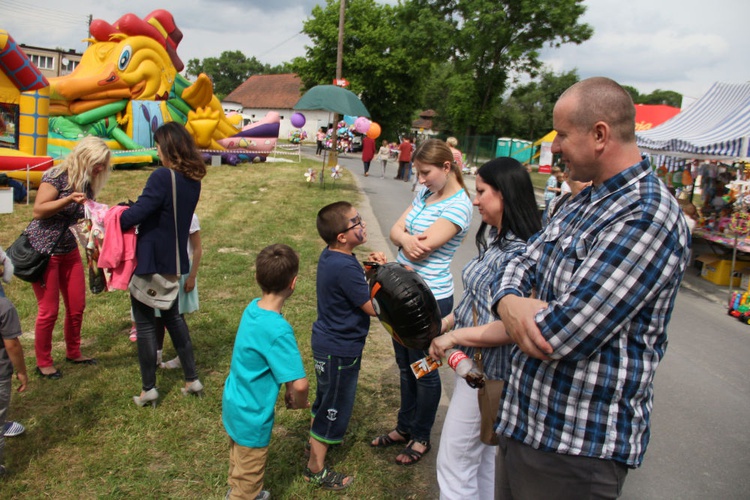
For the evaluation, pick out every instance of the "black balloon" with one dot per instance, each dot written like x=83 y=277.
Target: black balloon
x=404 y=304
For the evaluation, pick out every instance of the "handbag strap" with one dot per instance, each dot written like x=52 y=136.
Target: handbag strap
x=174 y=211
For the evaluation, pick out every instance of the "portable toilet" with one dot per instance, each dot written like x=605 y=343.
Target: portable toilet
x=503 y=147
x=521 y=150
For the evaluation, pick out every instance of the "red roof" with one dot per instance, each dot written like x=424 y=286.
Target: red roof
x=268 y=91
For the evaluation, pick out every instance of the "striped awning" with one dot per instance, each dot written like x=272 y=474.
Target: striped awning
x=716 y=126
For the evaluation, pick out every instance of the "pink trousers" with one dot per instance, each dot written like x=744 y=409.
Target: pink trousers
x=64 y=275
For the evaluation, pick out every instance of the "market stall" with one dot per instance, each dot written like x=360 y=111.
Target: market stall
x=715 y=127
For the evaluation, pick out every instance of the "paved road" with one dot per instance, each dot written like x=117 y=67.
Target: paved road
x=700 y=435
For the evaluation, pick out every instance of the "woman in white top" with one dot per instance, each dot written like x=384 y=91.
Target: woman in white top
x=383 y=153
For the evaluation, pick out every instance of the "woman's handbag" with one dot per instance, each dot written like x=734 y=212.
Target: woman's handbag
x=159 y=290
x=29 y=264
x=489 y=405
x=155 y=290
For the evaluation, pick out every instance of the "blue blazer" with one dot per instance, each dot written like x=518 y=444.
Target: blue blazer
x=153 y=213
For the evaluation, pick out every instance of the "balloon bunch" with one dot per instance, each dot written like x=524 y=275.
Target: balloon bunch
x=297 y=136
x=367 y=127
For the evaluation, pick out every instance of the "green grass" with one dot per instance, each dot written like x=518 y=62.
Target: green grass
x=86 y=439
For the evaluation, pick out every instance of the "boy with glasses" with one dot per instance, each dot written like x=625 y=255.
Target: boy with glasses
x=338 y=335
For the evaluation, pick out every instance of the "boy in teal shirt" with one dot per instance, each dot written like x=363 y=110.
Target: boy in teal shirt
x=265 y=356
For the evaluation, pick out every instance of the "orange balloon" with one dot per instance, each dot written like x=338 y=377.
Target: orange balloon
x=374 y=131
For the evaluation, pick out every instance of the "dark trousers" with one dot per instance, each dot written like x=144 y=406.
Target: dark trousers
x=403 y=166
x=523 y=472
x=420 y=398
x=145 y=322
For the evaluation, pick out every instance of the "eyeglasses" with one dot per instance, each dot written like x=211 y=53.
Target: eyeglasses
x=357 y=222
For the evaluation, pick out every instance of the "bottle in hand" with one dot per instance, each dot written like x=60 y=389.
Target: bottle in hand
x=465 y=367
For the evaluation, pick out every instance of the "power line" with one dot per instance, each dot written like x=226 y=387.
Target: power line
x=18 y=9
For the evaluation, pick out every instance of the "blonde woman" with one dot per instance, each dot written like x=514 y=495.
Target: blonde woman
x=427 y=234
x=59 y=205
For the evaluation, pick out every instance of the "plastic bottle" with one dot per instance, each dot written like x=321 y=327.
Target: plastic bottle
x=465 y=367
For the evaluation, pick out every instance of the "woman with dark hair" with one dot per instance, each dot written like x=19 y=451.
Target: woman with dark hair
x=153 y=212
x=505 y=199
x=427 y=234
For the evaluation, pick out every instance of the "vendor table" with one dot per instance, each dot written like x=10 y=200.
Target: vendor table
x=743 y=244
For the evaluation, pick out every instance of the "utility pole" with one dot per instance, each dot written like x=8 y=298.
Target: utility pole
x=333 y=158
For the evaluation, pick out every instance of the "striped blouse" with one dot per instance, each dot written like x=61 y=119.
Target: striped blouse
x=435 y=268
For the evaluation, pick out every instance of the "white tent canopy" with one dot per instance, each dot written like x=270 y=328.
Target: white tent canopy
x=716 y=126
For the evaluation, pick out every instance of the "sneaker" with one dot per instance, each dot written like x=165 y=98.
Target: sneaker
x=328 y=479
x=172 y=364
x=13 y=429
x=133 y=334
x=263 y=495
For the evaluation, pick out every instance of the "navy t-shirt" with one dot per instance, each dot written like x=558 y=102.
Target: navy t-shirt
x=342 y=325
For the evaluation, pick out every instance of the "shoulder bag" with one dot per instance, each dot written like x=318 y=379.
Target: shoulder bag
x=489 y=400
x=159 y=290
x=489 y=404
x=28 y=263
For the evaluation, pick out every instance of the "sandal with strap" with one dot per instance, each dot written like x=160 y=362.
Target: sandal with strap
x=328 y=479
x=414 y=455
x=386 y=439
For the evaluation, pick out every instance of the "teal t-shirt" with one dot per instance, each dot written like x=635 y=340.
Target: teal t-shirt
x=265 y=356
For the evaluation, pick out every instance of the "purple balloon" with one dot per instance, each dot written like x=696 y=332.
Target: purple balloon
x=362 y=125
x=298 y=120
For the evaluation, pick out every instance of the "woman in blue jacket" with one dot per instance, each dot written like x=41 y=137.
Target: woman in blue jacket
x=154 y=215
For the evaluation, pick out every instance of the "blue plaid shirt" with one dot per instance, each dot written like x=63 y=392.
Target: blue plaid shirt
x=609 y=265
x=478 y=277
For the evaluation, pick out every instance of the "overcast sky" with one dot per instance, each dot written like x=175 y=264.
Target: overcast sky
x=680 y=45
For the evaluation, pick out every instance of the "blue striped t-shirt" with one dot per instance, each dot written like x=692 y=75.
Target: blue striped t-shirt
x=435 y=268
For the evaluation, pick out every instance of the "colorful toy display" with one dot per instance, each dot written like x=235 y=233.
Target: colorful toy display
x=739 y=306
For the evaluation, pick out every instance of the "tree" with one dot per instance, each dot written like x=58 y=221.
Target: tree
x=493 y=40
x=527 y=112
x=634 y=94
x=658 y=96
x=388 y=54
x=230 y=70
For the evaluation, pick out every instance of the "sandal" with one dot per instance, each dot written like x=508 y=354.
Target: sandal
x=386 y=439
x=414 y=455
x=328 y=479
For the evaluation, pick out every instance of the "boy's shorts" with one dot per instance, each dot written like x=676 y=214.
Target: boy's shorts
x=247 y=468
x=334 y=399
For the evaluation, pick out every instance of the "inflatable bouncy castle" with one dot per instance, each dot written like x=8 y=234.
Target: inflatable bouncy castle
x=126 y=85
x=24 y=108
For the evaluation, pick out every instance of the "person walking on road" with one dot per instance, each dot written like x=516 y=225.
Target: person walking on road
x=404 y=159
x=368 y=153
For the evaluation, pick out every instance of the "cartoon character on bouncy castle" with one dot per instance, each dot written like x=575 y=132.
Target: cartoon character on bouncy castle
x=127 y=84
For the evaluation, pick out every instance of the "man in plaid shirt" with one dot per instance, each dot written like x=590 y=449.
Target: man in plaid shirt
x=606 y=271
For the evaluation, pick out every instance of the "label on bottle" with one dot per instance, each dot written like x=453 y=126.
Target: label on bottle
x=456 y=357
x=424 y=366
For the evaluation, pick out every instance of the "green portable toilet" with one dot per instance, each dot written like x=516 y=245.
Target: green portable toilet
x=521 y=150
x=503 y=147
